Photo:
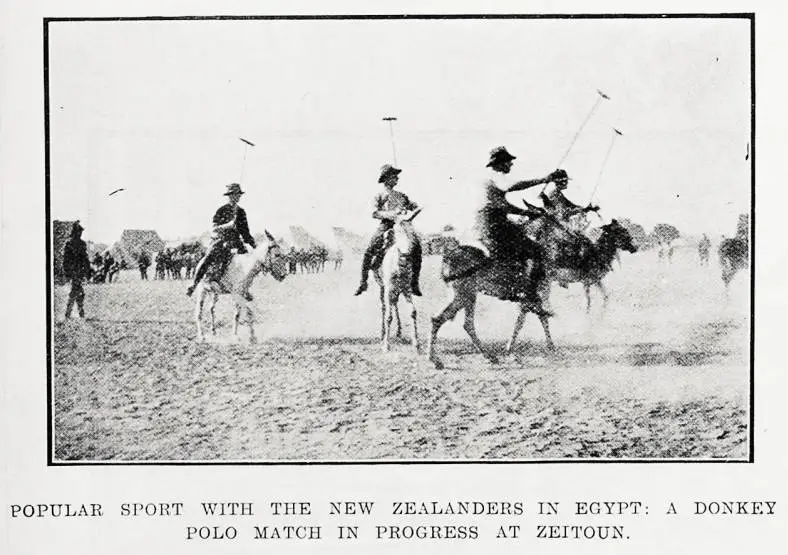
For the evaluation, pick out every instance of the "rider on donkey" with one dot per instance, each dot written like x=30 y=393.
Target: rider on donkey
x=564 y=210
x=230 y=231
x=556 y=203
x=518 y=258
x=387 y=204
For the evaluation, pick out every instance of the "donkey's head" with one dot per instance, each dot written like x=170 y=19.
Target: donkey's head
x=269 y=257
x=617 y=235
x=403 y=235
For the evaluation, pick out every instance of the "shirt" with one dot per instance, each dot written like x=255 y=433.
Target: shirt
x=392 y=201
x=76 y=263
x=557 y=204
x=224 y=215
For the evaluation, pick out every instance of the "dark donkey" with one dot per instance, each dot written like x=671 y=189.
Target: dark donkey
x=734 y=253
x=573 y=258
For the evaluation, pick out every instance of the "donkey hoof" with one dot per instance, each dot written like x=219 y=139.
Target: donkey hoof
x=438 y=364
x=493 y=359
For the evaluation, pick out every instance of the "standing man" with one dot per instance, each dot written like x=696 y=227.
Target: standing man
x=76 y=267
x=386 y=205
x=518 y=258
x=143 y=262
x=230 y=231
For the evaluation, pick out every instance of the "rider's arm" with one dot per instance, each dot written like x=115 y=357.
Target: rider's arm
x=377 y=209
x=511 y=209
x=243 y=227
x=527 y=184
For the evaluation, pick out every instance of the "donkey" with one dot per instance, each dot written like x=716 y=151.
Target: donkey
x=394 y=278
x=236 y=280
x=734 y=256
x=590 y=263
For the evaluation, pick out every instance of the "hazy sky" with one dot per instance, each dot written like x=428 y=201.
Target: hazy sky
x=157 y=108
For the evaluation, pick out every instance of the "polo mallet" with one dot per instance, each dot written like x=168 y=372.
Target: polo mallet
x=616 y=134
x=247 y=144
x=391 y=121
x=600 y=96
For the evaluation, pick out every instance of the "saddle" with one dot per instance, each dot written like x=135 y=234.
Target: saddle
x=377 y=256
x=215 y=272
x=504 y=279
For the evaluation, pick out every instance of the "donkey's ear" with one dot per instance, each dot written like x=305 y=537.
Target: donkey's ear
x=269 y=236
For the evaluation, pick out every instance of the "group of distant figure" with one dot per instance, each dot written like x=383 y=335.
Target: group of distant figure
x=172 y=263
x=312 y=260
x=104 y=268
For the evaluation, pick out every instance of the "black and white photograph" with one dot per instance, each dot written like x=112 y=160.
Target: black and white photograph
x=392 y=239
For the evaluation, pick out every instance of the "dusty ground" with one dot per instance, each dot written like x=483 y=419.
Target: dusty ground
x=662 y=372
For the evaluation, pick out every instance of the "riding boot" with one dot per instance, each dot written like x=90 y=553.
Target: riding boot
x=199 y=272
x=414 y=284
x=366 y=265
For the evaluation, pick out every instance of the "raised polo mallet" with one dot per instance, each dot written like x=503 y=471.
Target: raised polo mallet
x=391 y=121
x=247 y=144
x=600 y=96
x=616 y=134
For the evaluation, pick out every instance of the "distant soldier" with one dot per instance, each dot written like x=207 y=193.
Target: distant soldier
x=76 y=267
x=98 y=266
x=386 y=205
x=230 y=231
x=704 y=247
x=109 y=262
x=292 y=260
x=143 y=262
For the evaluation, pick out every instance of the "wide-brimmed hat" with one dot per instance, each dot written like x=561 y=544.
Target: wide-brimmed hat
x=386 y=171
x=233 y=189
x=559 y=175
x=500 y=154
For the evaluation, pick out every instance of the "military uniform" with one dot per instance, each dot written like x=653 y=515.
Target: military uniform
x=225 y=238
x=393 y=202
x=76 y=267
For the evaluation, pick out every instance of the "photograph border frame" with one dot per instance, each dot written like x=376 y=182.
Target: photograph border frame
x=49 y=263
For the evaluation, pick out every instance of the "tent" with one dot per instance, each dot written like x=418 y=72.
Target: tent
x=133 y=241
x=349 y=241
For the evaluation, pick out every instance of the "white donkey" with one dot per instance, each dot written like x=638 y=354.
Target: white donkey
x=394 y=278
x=236 y=280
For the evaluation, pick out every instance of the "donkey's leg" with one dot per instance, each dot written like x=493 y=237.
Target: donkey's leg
x=448 y=313
x=397 y=318
x=545 y=321
x=250 y=316
x=212 y=311
x=518 y=325
x=198 y=314
x=382 y=311
x=237 y=303
x=602 y=290
x=587 y=289
x=413 y=318
x=389 y=305
x=470 y=327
